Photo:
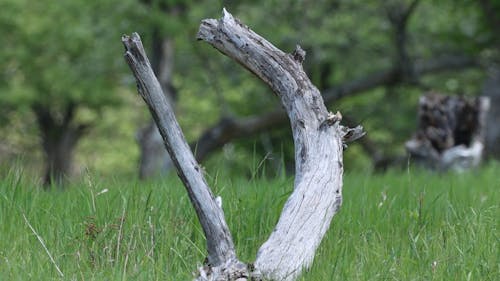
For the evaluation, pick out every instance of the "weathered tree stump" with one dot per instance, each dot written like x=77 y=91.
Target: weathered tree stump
x=450 y=133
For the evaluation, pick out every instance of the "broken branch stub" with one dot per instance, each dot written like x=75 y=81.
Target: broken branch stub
x=318 y=138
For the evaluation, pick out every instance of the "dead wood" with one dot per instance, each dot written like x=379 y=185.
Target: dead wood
x=318 y=137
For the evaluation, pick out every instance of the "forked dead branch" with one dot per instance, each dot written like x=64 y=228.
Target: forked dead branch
x=318 y=137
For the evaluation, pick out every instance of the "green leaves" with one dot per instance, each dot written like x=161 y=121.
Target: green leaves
x=60 y=51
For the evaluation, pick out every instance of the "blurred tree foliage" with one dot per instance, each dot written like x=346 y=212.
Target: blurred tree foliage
x=60 y=55
x=59 y=58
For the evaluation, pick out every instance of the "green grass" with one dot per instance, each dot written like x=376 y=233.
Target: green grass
x=395 y=226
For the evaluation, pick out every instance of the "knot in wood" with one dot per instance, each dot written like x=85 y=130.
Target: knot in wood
x=299 y=54
x=333 y=118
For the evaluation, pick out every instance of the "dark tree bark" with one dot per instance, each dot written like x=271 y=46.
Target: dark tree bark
x=318 y=139
x=491 y=11
x=59 y=137
x=450 y=133
x=399 y=16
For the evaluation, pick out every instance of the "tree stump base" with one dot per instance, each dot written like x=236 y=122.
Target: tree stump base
x=450 y=133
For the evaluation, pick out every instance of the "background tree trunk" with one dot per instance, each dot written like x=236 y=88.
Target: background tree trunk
x=59 y=137
x=491 y=89
x=154 y=158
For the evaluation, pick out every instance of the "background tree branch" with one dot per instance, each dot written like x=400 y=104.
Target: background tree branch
x=229 y=128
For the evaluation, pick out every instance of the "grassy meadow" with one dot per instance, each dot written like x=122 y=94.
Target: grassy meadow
x=412 y=225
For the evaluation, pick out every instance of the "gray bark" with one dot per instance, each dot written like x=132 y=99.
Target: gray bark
x=318 y=146
x=219 y=242
x=318 y=139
